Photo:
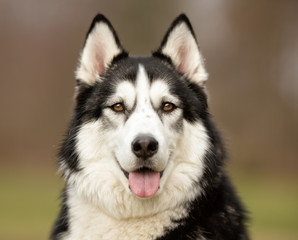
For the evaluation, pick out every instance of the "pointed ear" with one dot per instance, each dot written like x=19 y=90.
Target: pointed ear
x=101 y=47
x=179 y=46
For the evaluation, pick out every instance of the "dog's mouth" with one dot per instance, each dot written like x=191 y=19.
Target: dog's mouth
x=143 y=182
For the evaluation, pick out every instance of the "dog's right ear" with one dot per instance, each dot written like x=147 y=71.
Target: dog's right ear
x=101 y=47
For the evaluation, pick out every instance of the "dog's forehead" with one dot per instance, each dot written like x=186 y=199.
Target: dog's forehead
x=143 y=88
x=129 y=68
x=136 y=83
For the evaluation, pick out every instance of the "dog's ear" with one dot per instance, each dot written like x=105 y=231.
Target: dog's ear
x=101 y=47
x=179 y=46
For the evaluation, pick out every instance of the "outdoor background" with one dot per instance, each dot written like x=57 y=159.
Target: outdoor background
x=251 y=51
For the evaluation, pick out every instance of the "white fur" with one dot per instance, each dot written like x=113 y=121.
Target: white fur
x=101 y=205
x=98 y=52
x=125 y=92
x=182 y=48
x=159 y=92
x=90 y=221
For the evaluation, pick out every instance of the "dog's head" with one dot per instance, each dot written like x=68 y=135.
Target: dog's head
x=138 y=140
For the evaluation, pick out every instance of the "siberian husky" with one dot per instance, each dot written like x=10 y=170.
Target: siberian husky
x=142 y=158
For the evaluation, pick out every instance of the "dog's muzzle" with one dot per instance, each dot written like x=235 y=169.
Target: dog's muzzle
x=144 y=181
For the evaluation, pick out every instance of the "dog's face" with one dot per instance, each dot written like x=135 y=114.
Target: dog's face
x=137 y=141
x=144 y=114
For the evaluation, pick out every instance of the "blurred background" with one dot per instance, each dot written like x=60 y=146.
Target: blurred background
x=251 y=48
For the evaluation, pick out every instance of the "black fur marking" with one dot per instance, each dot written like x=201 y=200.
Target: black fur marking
x=163 y=57
x=67 y=153
x=217 y=215
x=61 y=225
x=119 y=57
x=182 y=18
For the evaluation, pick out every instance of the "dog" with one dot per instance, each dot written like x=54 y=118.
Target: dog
x=142 y=158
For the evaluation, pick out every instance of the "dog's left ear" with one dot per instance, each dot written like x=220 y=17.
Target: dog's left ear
x=180 y=47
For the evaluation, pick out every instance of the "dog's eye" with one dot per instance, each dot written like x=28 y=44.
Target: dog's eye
x=118 y=107
x=168 y=107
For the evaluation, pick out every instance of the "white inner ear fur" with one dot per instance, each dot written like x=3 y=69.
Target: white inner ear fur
x=182 y=48
x=98 y=52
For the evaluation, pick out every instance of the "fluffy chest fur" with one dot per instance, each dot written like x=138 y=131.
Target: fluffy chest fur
x=88 y=222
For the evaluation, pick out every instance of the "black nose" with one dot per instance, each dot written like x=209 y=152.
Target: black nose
x=144 y=146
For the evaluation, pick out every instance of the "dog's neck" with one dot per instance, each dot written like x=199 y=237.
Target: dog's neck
x=89 y=222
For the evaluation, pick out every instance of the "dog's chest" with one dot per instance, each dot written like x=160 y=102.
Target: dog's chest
x=88 y=223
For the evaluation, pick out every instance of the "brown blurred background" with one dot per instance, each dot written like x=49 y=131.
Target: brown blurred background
x=251 y=51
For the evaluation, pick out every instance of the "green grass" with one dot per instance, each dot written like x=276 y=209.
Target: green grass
x=272 y=204
x=29 y=204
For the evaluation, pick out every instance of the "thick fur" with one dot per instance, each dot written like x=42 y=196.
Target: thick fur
x=162 y=96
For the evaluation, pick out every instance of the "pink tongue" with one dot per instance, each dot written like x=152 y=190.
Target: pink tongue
x=144 y=183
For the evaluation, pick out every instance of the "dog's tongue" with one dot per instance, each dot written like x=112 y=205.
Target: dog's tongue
x=144 y=183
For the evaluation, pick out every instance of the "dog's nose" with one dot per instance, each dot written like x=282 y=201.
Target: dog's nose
x=144 y=146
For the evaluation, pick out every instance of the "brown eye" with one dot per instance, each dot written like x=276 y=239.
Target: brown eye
x=168 y=107
x=118 y=107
